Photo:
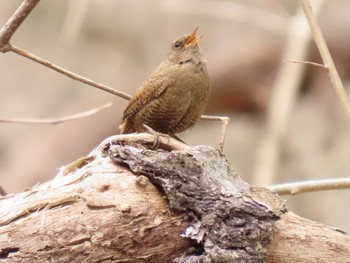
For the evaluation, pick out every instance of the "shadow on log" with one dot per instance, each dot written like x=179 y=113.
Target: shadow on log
x=126 y=203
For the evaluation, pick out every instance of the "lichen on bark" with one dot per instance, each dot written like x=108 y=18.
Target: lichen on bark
x=232 y=223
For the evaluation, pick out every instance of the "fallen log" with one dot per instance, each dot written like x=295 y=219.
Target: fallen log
x=127 y=203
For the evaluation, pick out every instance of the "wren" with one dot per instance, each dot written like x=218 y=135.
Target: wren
x=174 y=97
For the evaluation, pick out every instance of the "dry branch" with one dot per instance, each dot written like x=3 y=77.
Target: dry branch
x=15 y=21
x=307 y=63
x=326 y=56
x=76 y=116
x=67 y=73
x=224 y=121
x=311 y=186
x=97 y=209
x=283 y=98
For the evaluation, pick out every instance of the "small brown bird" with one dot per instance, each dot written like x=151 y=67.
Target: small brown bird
x=175 y=95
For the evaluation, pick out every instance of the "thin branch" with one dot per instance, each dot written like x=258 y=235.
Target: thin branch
x=80 y=115
x=214 y=118
x=10 y=28
x=308 y=63
x=225 y=121
x=67 y=73
x=311 y=186
x=283 y=99
x=15 y=21
x=326 y=56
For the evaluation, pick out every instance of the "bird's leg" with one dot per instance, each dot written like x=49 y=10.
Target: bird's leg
x=156 y=143
x=225 y=121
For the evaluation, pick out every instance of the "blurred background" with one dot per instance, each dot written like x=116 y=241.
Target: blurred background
x=286 y=123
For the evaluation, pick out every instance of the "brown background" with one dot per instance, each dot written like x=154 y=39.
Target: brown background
x=119 y=43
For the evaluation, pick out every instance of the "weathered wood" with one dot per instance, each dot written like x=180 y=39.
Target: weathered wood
x=93 y=210
x=297 y=239
x=232 y=222
x=97 y=210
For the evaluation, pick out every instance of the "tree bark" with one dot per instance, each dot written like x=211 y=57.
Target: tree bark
x=126 y=203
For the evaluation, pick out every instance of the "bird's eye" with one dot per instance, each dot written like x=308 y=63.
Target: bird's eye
x=177 y=44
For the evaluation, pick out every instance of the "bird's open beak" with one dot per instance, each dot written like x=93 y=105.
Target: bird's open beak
x=192 y=39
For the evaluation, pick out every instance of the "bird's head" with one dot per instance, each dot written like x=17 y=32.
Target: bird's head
x=186 y=49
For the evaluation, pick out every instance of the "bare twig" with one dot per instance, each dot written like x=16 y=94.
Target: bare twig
x=282 y=100
x=58 y=120
x=326 y=56
x=225 y=121
x=67 y=73
x=308 y=63
x=10 y=28
x=15 y=21
x=311 y=186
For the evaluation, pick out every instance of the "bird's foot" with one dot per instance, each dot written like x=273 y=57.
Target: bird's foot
x=156 y=134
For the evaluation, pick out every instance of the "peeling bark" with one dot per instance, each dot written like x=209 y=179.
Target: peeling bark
x=232 y=222
x=127 y=203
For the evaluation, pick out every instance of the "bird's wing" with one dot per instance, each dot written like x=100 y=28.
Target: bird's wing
x=151 y=89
